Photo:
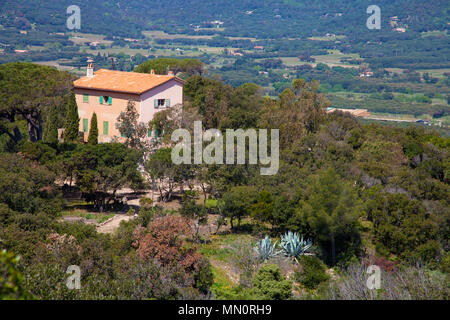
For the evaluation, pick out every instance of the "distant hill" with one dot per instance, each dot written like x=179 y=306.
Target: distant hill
x=263 y=19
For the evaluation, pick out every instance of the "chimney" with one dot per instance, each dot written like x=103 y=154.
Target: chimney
x=152 y=71
x=170 y=73
x=90 y=68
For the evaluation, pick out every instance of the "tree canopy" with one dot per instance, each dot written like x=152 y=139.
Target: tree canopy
x=27 y=91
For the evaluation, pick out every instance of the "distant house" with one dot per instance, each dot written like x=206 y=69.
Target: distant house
x=236 y=54
x=131 y=40
x=366 y=74
x=258 y=47
x=217 y=23
x=107 y=92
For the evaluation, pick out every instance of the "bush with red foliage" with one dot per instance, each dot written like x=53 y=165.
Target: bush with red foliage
x=383 y=263
x=164 y=240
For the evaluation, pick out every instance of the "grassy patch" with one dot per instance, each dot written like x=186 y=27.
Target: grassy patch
x=219 y=251
x=333 y=59
x=434 y=33
x=98 y=217
x=223 y=286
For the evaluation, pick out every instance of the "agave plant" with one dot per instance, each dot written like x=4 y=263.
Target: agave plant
x=294 y=246
x=266 y=249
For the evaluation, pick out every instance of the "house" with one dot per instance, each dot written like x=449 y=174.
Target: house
x=236 y=54
x=107 y=92
x=366 y=74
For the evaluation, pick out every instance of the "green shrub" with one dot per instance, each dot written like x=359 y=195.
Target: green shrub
x=204 y=277
x=313 y=272
x=445 y=264
x=11 y=280
x=146 y=211
x=270 y=284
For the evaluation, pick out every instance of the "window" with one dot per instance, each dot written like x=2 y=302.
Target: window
x=159 y=103
x=85 y=125
x=105 y=100
x=105 y=127
x=85 y=98
x=149 y=133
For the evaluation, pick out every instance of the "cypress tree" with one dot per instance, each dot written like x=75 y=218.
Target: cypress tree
x=51 y=128
x=72 y=123
x=93 y=132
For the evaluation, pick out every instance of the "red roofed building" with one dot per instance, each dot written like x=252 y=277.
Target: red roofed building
x=107 y=92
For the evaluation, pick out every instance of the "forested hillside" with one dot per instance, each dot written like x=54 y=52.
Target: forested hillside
x=349 y=192
x=269 y=19
x=357 y=194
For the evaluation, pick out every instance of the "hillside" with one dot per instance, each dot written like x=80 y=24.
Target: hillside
x=268 y=19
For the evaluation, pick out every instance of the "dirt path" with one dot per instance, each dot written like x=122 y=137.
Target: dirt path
x=112 y=224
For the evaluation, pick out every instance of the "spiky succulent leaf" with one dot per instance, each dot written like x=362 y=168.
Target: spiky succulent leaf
x=294 y=246
x=266 y=249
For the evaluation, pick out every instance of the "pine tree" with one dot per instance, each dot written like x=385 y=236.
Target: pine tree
x=72 y=123
x=93 y=132
x=51 y=128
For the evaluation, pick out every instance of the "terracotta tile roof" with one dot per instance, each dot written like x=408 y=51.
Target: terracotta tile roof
x=129 y=82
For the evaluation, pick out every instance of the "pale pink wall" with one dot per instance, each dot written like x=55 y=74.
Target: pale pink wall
x=104 y=112
x=172 y=90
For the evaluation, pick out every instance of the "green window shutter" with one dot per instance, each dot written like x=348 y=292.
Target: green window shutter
x=156 y=133
x=149 y=132
x=156 y=103
x=167 y=103
x=121 y=133
x=85 y=125
x=110 y=101
x=101 y=99
x=105 y=127
x=85 y=98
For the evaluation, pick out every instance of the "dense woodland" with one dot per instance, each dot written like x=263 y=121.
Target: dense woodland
x=359 y=193
x=410 y=69
x=281 y=18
